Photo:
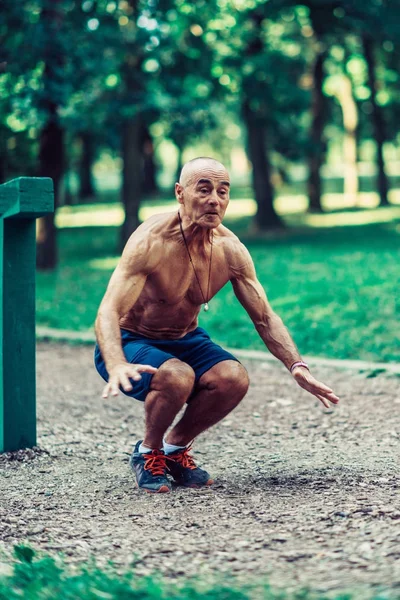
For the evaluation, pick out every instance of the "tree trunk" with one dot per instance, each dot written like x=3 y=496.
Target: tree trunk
x=132 y=185
x=256 y=125
x=3 y=154
x=180 y=161
x=317 y=143
x=2 y=169
x=86 y=185
x=132 y=135
x=50 y=165
x=344 y=94
x=378 y=122
x=68 y=197
x=149 y=165
x=266 y=217
x=51 y=152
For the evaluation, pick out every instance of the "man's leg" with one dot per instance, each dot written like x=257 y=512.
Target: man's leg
x=219 y=391
x=170 y=388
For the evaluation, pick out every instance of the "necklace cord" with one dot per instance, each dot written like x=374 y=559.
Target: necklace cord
x=191 y=260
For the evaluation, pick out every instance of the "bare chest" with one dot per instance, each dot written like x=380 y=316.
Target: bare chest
x=177 y=279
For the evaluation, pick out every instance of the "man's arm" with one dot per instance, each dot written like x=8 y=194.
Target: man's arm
x=269 y=325
x=124 y=288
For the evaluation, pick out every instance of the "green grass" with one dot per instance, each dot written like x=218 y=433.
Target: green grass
x=335 y=288
x=32 y=578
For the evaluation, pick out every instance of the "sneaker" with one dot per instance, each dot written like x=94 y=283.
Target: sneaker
x=150 y=470
x=184 y=470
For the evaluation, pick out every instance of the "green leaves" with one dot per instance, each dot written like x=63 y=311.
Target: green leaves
x=24 y=554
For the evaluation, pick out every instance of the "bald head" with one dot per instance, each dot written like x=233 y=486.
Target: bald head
x=203 y=192
x=192 y=168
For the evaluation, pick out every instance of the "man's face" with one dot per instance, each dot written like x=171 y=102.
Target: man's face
x=205 y=196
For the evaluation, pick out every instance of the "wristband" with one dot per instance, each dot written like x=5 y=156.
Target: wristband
x=299 y=363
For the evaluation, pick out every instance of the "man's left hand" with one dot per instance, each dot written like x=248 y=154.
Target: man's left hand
x=321 y=391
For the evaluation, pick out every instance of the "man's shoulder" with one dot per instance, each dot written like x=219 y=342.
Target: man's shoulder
x=236 y=253
x=157 y=222
x=152 y=229
x=230 y=240
x=145 y=247
x=227 y=237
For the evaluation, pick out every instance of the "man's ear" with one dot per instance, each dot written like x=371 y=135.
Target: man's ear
x=179 y=193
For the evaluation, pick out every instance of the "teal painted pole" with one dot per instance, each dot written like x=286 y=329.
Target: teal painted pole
x=22 y=201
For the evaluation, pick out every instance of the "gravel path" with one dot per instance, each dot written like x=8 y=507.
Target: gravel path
x=303 y=496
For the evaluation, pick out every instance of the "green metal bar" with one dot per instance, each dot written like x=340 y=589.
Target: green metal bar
x=27 y=197
x=19 y=383
x=2 y=445
x=21 y=202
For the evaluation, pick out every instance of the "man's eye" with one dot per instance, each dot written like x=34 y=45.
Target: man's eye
x=204 y=190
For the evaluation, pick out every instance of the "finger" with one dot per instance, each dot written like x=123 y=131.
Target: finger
x=324 y=389
x=146 y=369
x=306 y=381
x=333 y=398
x=307 y=377
x=321 y=390
x=135 y=375
x=125 y=383
x=318 y=389
x=106 y=391
x=330 y=397
x=114 y=389
x=323 y=400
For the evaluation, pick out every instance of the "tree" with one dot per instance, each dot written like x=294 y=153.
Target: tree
x=378 y=121
x=51 y=143
x=380 y=19
x=88 y=154
x=17 y=143
x=190 y=90
x=317 y=145
x=261 y=66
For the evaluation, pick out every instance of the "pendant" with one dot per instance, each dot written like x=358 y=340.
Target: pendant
x=206 y=306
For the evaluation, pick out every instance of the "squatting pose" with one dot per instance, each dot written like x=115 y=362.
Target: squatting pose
x=149 y=343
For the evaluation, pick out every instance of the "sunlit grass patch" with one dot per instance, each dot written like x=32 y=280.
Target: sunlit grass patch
x=349 y=218
x=336 y=289
x=288 y=206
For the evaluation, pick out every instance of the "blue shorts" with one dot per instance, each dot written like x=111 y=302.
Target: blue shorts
x=195 y=349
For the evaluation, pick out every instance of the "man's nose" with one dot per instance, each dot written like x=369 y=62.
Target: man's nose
x=213 y=199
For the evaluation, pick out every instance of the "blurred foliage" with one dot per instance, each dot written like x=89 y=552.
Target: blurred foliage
x=193 y=65
x=40 y=577
x=127 y=75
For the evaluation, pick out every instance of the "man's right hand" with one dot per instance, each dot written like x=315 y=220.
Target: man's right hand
x=120 y=374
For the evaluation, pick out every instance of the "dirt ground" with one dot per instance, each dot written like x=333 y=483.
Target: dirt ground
x=303 y=496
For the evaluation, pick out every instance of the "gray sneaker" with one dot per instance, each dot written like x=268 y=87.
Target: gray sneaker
x=185 y=471
x=150 y=470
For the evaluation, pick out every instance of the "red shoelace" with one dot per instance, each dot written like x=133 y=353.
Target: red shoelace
x=155 y=462
x=184 y=458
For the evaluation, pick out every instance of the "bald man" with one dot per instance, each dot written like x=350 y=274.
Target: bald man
x=149 y=344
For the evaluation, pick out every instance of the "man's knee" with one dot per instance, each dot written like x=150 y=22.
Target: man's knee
x=174 y=378
x=228 y=377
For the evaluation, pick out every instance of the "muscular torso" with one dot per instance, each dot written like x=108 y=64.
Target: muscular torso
x=170 y=301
